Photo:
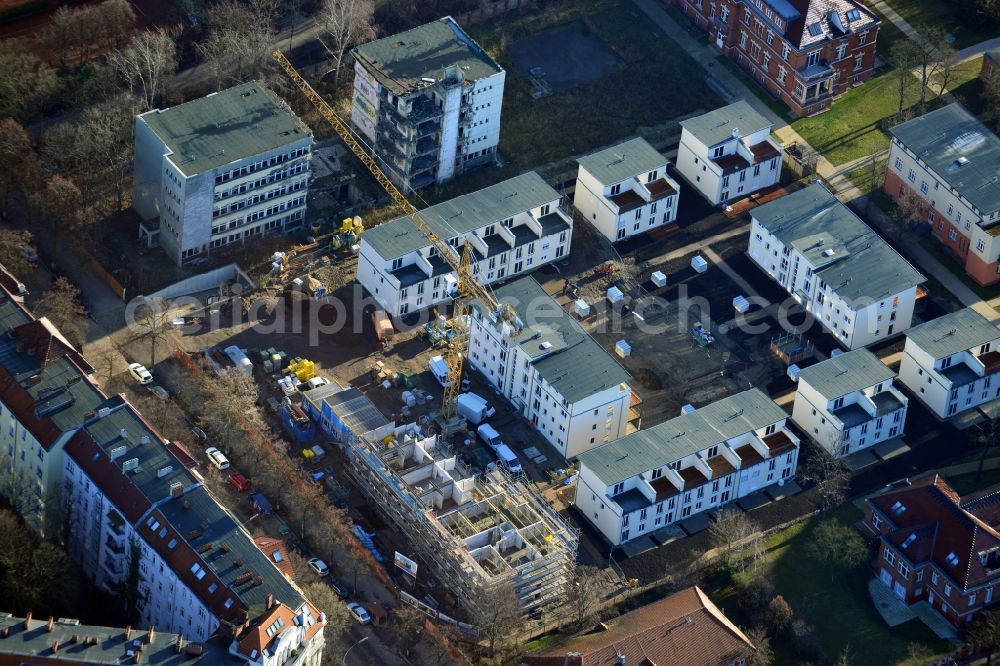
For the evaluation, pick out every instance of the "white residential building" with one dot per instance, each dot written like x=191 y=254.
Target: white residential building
x=560 y=379
x=625 y=190
x=849 y=403
x=222 y=169
x=951 y=363
x=834 y=266
x=696 y=462
x=428 y=102
x=728 y=154
x=514 y=227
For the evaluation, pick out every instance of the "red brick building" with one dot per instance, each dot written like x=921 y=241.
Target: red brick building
x=804 y=52
x=938 y=547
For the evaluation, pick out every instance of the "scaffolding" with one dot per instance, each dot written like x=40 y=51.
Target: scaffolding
x=473 y=532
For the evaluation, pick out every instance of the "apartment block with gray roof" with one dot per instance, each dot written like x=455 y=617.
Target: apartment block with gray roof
x=849 y=403
x=945 y=167
x=514 y=227
x=699 y=461
x=952 y=363
x=221 y=169
x=834 y=266
x=625 y=190
x=574 y=393
x=729 y=154
x=427 y=102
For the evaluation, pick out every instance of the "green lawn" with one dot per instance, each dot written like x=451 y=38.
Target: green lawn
x=940 y=14
x=840 y=610
x=850 y=129
x=774 y=104
x=968 y=483
x=656 y=81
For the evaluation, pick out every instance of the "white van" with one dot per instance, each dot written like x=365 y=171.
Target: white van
x=488 y=434
x=508 y=459
x=439 y=368
x=474 y=408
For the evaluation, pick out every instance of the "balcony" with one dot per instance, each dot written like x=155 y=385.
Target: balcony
x=731 y=163
x=778 y=443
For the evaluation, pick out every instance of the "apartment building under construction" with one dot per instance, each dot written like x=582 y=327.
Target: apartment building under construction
x=474 y=532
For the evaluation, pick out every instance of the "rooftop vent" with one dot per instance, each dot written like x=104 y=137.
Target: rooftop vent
x=130 y=464
x=163 y=471
x=103 y=411
x=828 y=252
x=958 y=164
x=176 y=489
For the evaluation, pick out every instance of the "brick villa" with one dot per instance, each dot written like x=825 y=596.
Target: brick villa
x=937 y=547
x=804 y=52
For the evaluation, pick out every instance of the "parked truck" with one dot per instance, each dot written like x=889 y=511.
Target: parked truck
x=474 y=408
x=382 y=325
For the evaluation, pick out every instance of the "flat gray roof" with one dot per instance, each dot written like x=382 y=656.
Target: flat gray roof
x=861 y=266
x=563 y=353
x=400 y=62
x=953 y=333
x=224 y=127
x=960 y=150
x=854 y=371
x=460 y=215
x=682 y=436
x=624 y=160
x=717 y=126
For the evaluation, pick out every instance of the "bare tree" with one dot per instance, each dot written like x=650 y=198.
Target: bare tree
x=985 y=634
x=20 y=163
x=837 y=545
x=338 y=619
x=904 y=56
x=345 y=23
x=827 y=472
x=146 y=64
x=583 y=596
x=762 y=655
x=908 y=214
x=61 y=204
x=733 y=533
x=498 y=617
x=27 y=84
x=991 y=96
x=61 y=305
x=151 y=324
x=239 y=42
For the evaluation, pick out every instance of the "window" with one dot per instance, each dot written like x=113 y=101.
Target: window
x=899 y=164
x=841 y=51
x=785 y=51
x=980 y=245
x=812 y=58
x=911 y=176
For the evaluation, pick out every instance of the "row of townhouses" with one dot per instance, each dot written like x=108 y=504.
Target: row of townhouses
x=132 y=507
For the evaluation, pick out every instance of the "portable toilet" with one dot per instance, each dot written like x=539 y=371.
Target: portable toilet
x=687 y=409
x=581 y=307
x=615 y=294
x=793 y=372
x=659 y=279
x=699 y=264
x=623 y=348
x=741 y=304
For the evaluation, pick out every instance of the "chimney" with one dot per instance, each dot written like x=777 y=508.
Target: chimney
x=52 y=621
x=27 y=621
x=55 y=646
x=128 y=631
x=150 y=635
x=270 y=601
x=137 y=657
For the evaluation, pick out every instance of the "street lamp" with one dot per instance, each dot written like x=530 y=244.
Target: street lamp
x=344 y=660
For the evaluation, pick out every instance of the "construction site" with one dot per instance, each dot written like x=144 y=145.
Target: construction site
x=474 y=532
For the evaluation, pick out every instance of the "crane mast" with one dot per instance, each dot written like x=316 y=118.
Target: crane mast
x=468 y=286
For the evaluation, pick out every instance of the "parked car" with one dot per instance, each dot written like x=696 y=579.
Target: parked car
x=140 y=373
x=359 y=613
x=319 y=566
x=297 y=545
x=508 y=459
x=260 y=504
x=217 y=458
x=238 y=481
x=340 y=588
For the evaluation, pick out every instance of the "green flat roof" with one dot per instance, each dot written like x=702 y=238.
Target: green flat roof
x=717 y=126
x=816 y=223
x=854 y=371
x=402 y=61
x=224 y=127
x=564 y=354
x=461 y=215
x=958 y=149
x=953 y=333
x=624 y=160
x=682 y=436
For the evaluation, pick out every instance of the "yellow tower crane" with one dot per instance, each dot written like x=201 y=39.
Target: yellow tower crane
x=468 y=286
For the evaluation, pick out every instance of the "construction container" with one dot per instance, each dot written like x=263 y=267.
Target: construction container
x=623 y=349
x=699 y=264
x=581 y=307
x=383 y=327
x=659 y=279
x=615 y=295
x=793 y=372
x=687 y=409
x=741 y=304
